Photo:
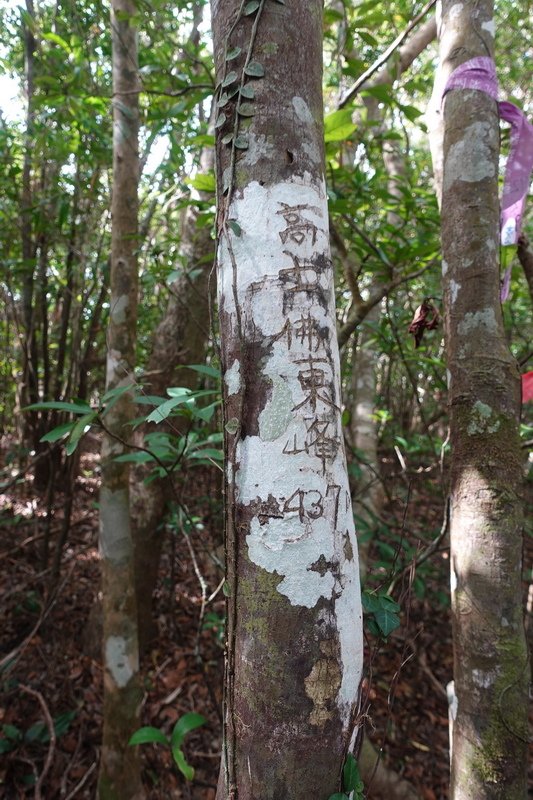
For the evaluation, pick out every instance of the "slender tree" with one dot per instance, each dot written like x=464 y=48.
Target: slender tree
x=119 y=769
x=294 y=639
x=489 y=709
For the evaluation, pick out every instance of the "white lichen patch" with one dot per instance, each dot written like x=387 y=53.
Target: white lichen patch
x=118 y=309
x=456 y=10
x=277 y=414
x=453 y=702
x=474 y=320
x=232 y=378
x=453 y=581
x=444 y=267
x=482 y=420
x=259 y=146
x=483 y=678
x=118 y=661
x=489 y=26
x=471 y=159
x=302 y=110
x=292 y=474
x=115 y=537
x=454 y=290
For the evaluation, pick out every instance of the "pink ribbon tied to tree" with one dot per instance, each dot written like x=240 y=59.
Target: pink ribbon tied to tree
x=480 y=74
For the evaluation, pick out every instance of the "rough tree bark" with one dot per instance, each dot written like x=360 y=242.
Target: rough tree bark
x=489 y=709
x=294 y=637
x=119 y=777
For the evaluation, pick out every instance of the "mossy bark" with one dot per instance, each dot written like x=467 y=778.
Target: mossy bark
x=490 y=658
x=294 y=642
x=119 y=777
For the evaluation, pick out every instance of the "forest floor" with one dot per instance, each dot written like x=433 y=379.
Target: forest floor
x=53 y=672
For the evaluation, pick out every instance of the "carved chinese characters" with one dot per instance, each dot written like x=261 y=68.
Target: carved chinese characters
x=291 y=477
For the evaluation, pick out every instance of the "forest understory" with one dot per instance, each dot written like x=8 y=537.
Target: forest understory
x=54 y=671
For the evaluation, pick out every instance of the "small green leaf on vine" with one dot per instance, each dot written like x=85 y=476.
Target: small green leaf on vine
x=235 y=227
x=220 y=120
x=248 y=92
x=251 y=7
x=223 y=99
x=246 y=110
x=241 y=143
x=227 y=138
x=233 y=53
x=230 y=78
x=254 y=70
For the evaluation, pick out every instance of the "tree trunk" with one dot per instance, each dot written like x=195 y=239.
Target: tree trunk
x=490 y=658
x=119 y=777
x=294 y=637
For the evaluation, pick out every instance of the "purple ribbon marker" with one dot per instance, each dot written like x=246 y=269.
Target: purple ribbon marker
x=480 y=74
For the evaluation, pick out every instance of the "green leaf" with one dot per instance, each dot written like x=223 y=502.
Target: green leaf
x=186 y=770
x=135 y=458
x=179 y=391
x=338 y=125
x=242 y=143
x=220 y=120
x=338 y=796
x=206 y=414
x=246 y=110
x=251 y=7
x=227 y=138
x=12 y=732
x=233 y=53
x=59 y=405
x=255 y=70
x=232 y=425
x=203 y=369
x=147 y=735
x=57 y=433
x=223 y=100
x=204 y=182
x=235 y=227
x=118 y=392
x=208 y=452
x=387 y=621
x=187 y=723
x=162 y=412
x=230 y=78
x=351 y=778
x=411 y=112
x=248 y=91
x=53 y=37
x=78 y=430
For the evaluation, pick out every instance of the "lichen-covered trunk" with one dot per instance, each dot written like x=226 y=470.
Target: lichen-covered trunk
x=119 y=777
x=294 y=638
x=490 y=660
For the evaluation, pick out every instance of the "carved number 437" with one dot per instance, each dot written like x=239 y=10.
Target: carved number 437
x=310 y=504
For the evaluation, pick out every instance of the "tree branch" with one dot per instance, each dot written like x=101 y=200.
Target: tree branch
x=364 y=78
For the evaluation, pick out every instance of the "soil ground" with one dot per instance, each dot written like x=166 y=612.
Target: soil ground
x=55 y=668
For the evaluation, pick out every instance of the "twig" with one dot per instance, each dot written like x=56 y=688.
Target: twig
x=82 y=782
x=51 y=732
x=350 y=94
x=428 y=551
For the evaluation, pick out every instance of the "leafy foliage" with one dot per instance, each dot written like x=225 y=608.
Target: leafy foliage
x=185 y=725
